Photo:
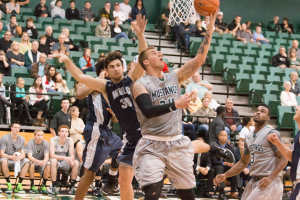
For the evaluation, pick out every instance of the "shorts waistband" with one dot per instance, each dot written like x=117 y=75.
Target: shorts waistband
x=132 y=131
x=162 y=138
x=257 y=178
x=100 y=125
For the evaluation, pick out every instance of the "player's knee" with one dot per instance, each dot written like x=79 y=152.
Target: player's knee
x=76 y=163
x=4 y=163
x=53 y=162
x=31 y=165
x=186 y=194
x=153 y=191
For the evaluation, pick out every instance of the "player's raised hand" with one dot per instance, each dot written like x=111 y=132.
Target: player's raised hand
x=61 y=57
x=213 y=18
x=185 y=101
x=273 y=138
x=219 y=179
x=140 y=24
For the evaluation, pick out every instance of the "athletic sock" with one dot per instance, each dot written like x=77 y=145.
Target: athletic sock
x=72 y=182
x=20 y=180
x=54 y=183
x=45 y=181
x=7 y=179
x=31 y=182
x=112 y=177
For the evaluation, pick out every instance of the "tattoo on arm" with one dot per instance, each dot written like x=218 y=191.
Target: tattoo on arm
x=204 y=43
x=138 y=89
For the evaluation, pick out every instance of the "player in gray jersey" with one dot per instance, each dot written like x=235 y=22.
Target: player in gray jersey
x=12 y=150
x=266 y=161
x=63 y=158
x=38 y=154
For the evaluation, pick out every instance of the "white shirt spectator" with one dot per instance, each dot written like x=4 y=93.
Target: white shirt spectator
x=56 y=11
x=52 y=4
x=288 y=99
x=121 y=16
x=213 y=104
x=245 y=131
x=126 y=9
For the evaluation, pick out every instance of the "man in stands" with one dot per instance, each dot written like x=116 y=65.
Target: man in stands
x=243 y=35
x=221 y=26
x=201 y=86
x=61 y=42
x=281 y=60
x=106 y=12
x=32 y=56
x=62 y=117
x=50 y=40
x=12 y=149
x=39 y=69
x=165 y=20
x=232 y=125
x=12 y=26
x=295 y=45
x=30 y=29
x=41 y=10
x=126 y=9
x=86 y=13
x=38 y=154
x=235 y=25
x=5 y=43
x=217 y=125
x=258 y=37
x=63 y=159
x=118 y=13
x=274 y=25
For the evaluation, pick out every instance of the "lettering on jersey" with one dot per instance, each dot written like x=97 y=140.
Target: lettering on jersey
x=256 y=147
x=120 y=91
x=162 y=92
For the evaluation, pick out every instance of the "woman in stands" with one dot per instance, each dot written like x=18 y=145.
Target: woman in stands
x=138 y=9
x=13 y=7
x=3 y=100
x=86 y=63
x=117 y=31
x=4 y=64
x=61 y=84
x=131 y=33
x=48 y=80
x=77 y=125
x=15 y=58
x=294 y=61
x=295 y=86
x=43 y=47
x=25 y=44
x=57 y=11
x=213 y=104
x=288 y=98
x=38 y=101
x=200 y=31
x=69 y=41
x=103 y=29
x=248 y=124
x=286 y=27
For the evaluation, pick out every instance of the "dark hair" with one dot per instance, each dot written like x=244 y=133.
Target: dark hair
x=237 y=16
x=100 y=65
x=34 y=85
x=286 y=19
x=143 y=56
x=220 y=110
x=266 y=106
x=246 y=120
x=12 y=16
x=107 y=2
x=49 y=76
x=64 y=99
x=12 y=124
x=29 y=19
x=137 y=2
x=42 y=36
x=111 y=56
x=57 y=1
x=86 y=2
x=72 y=1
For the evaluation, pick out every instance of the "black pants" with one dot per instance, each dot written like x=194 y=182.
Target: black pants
x=244 y=178
x=42 y=106
x=210 y=177
x=234 y=181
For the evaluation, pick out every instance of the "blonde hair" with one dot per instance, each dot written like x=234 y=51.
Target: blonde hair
x=293 y=73
x=65 y=29
x=293 y=51
x=22 y=40
x=131 y=27
x=38 y=131
x=2 y=53
x=1 y=84
x=72 y=109
x=19 y=80
x=13 y=43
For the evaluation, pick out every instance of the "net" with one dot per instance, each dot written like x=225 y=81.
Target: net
x=181 y=11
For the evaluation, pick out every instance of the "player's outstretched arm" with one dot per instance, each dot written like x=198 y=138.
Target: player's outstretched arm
x=139 y=28
x=191 y=67
x=286 y=152
x=83 y=91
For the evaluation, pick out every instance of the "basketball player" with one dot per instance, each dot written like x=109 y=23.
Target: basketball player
x=292 y=156
x=266 y=161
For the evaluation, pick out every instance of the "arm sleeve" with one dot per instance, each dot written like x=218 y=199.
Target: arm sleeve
x=151 y=111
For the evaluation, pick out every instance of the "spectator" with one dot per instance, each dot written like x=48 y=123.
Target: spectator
x=43 y=47
x=5 y=43
x=25 y=43
x=32 y=56
x=3 y=100
x=126 y=9
x=41 y=10
x=274 y=25
x=77 y=125
x=23 y=3
x=295 y=86
x=2 y=29
x=217 y=125
x=103 y=29
x=288 y=98
x=165 y=20
x=69 y=41
x=281 y=60
x=50 y=40
x=12 y=26
x=72 y=12
x=243 y=35
x=201 y=86
x=248 y=29
x=86 y=13
x=131 y=32
x=258 y=37
x=38 y=101
x=58 y=63
x=235 y=25
x=187 y=30
x=13 y=7
x=52 y=4
x=57 y=11
x=118 y=13
x=4 y=65
x=286 y=27
x=131 y=66
x=61 y=84
x=48 y=80
x=232 y=125
x=138 y=9
x=4 y=25
x=294 y=61
x=213 y=104
x=248 y=124
x=200 y=31
x=14 y=56
x=86 y=63
x=39 y=68
x=30 y=29
x=196 y=102
x=10 y=144
x=2 y=7
x=106 y=13
x=62 y=117
x=221 y=26
x=295 y=47
x=61 y=42
x=206 y=21
x=117 y=31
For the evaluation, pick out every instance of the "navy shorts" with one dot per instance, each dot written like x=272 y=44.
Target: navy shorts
x=296 y=192
x=101 y=142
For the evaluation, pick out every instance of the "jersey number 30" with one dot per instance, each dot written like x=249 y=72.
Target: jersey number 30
x=126 y=102
x=170 y=100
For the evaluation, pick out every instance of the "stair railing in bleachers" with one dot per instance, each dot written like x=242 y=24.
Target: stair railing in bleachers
x=250 y=97
x=228 y=84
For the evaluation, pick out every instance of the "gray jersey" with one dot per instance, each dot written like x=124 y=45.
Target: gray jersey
x=161 y=92
x=38 y=150
x=61 y=150
x=10 y=146
x=262 y=151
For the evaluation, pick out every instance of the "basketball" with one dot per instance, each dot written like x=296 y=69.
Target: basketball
x=206 y=7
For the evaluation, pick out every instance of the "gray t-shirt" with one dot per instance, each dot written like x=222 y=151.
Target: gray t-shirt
x=38 y=150
x=10 y=146
x=61 y=150
x=11 y=7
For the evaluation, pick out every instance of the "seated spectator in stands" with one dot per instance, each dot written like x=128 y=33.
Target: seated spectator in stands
x=32 y=56
x=43 y=47
x=86 y=13
x=4 y=64
x=295 y=86
x=288 y=98
x=200 y=31
x=258 y=37
x=69 y=41
x=189 y=128
x=25 y=43
x=12 y=26
x=39 y=101
x=14 y=56
x=12 y=150
x=281 y=60
x=248 y=124
x=294 y=60
x=165 y=20
x=118 y=13
x=203 y=170
x=286 y=27
x=235 y=26
x=52 y=4
x=38 y=154
x=72 y=12
x=23 y=3
x=126 y=9
x=48 y=80
x=5 y=43
x=30 y=29
x=61 y=42
x=232 y=125
x=245 y=174
x=2 y=29
x=77 y=125
x=39 y=68
x=50 y=40
x=243 y=35
x=195 y=101
x=3 y=100
x=103 y=29
x=61 y=84
x=221 y=26
x=62 y=117
x=117 y=31
x=295 y=45
x=217 y=125
x=106 y=13
x=62 y=159
x=131 y=66
x=206 y=21
x=213 y=104
x=201 y=86
x=131 y=32
x=274 y=25
x=59 y=64
x=57 y=11
x=86 y=63
x=13 y=7
x=138 y=9
x=221 y=167
x=41 y=10
x=248 y=29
